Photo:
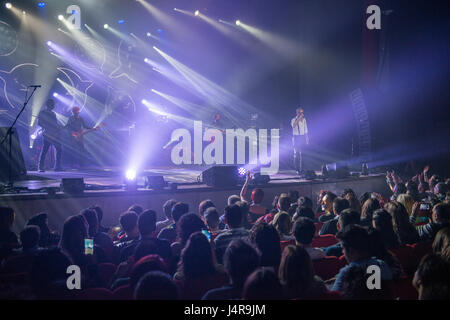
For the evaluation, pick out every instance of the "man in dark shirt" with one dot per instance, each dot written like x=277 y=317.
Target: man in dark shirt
x=240 y=260
x=330 y=227
x=233 y=220
x=147 y=227
x=49 y=123
x=75 y=125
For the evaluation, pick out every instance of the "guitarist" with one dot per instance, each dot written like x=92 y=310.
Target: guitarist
x=51 y=134
x=75 y=125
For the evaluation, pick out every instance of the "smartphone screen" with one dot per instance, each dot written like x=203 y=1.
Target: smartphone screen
x=425 y=206
x=88 y=246
x=207 y=234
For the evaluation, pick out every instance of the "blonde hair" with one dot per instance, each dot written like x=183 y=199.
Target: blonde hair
x=407 y=201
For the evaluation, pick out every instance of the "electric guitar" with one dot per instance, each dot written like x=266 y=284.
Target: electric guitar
x=78 y=135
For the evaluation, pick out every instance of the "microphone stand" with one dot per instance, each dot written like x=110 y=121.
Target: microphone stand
x=9 y=134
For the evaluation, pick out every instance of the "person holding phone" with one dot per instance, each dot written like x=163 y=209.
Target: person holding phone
x=440 y=218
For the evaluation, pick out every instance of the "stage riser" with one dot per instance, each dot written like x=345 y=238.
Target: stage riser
x=61 y=206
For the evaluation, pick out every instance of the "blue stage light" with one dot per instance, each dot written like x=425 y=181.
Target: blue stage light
x=242 y=171
x=120 y=21
x=41 y=4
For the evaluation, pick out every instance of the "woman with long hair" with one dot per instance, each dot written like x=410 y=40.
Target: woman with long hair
x=406 y=232
x=197 y=270
x=296 y=274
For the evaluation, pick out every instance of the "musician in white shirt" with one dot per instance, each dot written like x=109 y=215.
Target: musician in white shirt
x=299 y=138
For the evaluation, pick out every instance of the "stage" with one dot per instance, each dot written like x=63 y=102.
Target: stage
x=105 y=187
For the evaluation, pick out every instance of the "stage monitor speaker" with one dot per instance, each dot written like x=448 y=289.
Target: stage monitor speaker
x=17 y=163
x=155 y=182
x=310 y=175
x=72 y=185
x=221 y=176
x=260 y=179
x=338 y=170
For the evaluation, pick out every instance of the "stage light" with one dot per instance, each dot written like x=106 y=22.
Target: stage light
x=242 y=171
x=105 y=26
x=60 y=17
x=49 y=43
x=33 y=137
x=196 y=13
x=55 y=94
x=149 y=34
x=144 y=101
x=130 y=174
x=24 y=13
x=8 y=5
x=120 y=21
x=41 y=4
x=145 y=60
x=238 y=23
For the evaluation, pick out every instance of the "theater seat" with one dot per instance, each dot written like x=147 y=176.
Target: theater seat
x=318 y=226
x=419 y=250
x=284 y=244
x=195 y=289
x=405 y=255
x=106 y=272
x=402 y=289
x=327 y=267
x=123 y=293
x=324 y=241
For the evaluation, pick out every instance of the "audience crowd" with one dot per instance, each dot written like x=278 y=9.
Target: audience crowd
x=299 y=248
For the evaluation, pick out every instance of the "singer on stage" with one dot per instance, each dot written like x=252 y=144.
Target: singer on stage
x=299 y=138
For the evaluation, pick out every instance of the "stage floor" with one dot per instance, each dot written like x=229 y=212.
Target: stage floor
x=104 y=187
x=113 y=178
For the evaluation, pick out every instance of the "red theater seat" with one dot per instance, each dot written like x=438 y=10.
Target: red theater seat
x=123 y=293
x=196 y=288
x=284 y=244
x=419 y=250
x=324 y=241
x=405 y=255
x=327 y=267
x=318 y=226
x=402 y=289
x=106 y=272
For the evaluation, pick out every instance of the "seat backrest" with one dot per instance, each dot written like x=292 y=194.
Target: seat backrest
x=195 y=289
x=318 y=226
x=106 y=272
x=419 y=250
x=403 y=289
x=324 y=241
x=123 y=293
x=284 y=244
x=405 y=255
x=327 y=267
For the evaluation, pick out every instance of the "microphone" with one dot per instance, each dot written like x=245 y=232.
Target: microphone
x=35 y=86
